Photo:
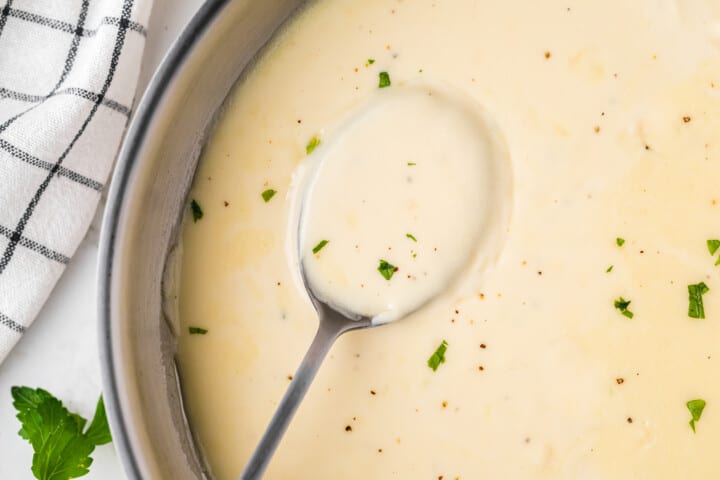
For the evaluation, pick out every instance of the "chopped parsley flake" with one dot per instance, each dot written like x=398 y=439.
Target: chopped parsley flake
x=384 y=80
x=312 y=145
x=371 y=61
x=320 y=246
x=197 y=212
x=622 y=305
x=197 y=331
x=620 y=241
x=386 y=269
x=268 y=194
x=609 y=269
x=438 y=357
x=696 y=408
x=411 y=237
x=695 y=306
x=712 y=246
x=411 y=164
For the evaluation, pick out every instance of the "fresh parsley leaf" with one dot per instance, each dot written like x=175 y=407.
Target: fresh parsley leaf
x=609 y=269
x=197 y=212
x=695 y=306
x=619 y=241
x=622 y=305
x=61 y=449
x=320 y=246
x=312 y=145
x=386 y=269
x=438 y=356
x=371 y=61
x=712 y=246
x=25 y=398
x=384 y=80
x=696 y=408
x=411 y=237
x=99 y=432
x=197 y=331
x=268 y=194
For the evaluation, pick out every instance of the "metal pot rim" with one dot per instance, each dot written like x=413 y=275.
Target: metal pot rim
x=125 y=169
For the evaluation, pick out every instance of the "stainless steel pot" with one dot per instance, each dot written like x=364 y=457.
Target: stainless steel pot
x=145 y=205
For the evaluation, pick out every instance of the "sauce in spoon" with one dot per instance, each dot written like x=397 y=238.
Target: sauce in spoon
x=406 y=195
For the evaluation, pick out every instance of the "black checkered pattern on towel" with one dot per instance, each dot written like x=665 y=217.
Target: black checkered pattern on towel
x=67 y=78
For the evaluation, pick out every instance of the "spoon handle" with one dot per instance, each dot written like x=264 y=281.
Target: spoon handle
x=324 y=338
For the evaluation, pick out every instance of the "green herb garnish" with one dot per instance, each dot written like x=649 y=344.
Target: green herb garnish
x=320 y=246
x=312 y=145
x=411 y=237
x=268 y=194
x=197 y=331
x=386 y=269
x=197 y=212
x=712 y=246
x=371 y=61
x=411 y=164
x=61 y=444
x=438 y=357
x=609 y=269
x=384 y=80
x=696 y=408
x=622 y=305
x=695 y=306
x=620 y=241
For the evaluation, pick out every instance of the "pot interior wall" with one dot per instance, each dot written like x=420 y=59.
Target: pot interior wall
x=145 y=207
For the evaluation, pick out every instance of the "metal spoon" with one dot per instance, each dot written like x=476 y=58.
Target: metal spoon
x=334 y=321
x=332 y=325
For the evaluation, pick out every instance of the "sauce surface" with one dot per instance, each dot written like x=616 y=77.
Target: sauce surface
x=609 y=114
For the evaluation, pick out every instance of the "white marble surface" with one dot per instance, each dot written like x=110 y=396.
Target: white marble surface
x=59 y=352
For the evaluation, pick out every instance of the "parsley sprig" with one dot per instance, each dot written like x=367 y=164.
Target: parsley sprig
x=321 y=244
x=387 y=269
x=268 y=194
x=696 y=309
x=438 y=356
x=312 y=145
x=712 y=246
x=622 y=305
x=61 y=443
x=696 y=408
x=196 y=209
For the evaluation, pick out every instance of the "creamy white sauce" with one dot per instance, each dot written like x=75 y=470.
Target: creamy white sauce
x=610 y=113
x=414 y=184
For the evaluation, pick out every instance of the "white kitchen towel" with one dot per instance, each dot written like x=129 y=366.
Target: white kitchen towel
x=68 y=71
